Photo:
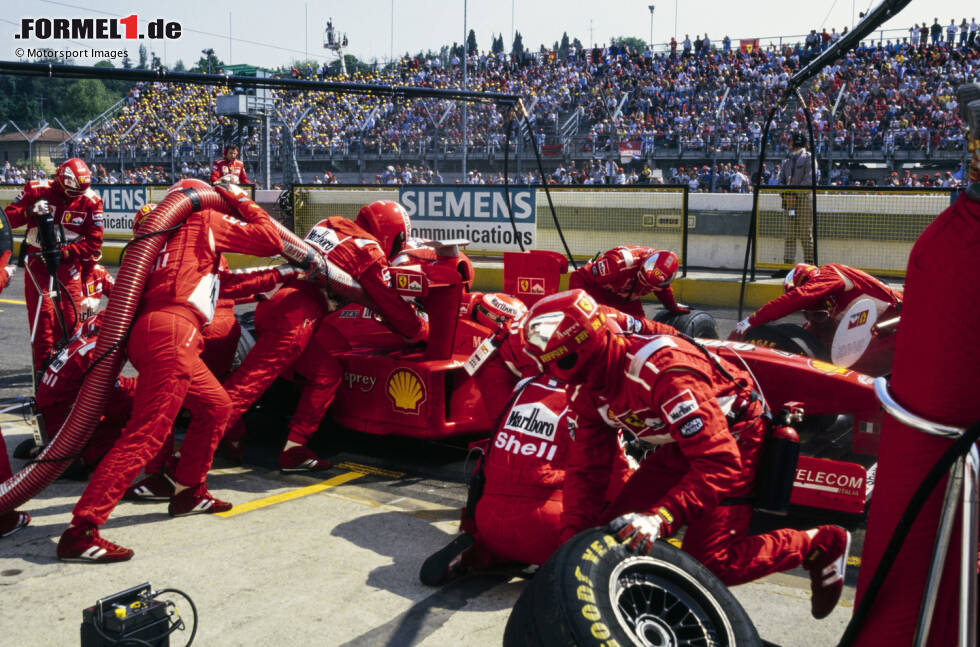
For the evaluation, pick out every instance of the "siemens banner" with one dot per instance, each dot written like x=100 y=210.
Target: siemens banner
x=120 y=203
x=477 y=213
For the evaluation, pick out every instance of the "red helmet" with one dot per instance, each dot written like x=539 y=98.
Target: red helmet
x=496 y=308
x=657 y=271
x=799 y=275
x=387 y=221
x=141 y=215
x=189 y=183
x=73 y=177
x=566 y=332
x=617 y=269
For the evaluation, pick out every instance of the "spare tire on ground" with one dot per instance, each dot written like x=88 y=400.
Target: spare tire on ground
x=788 y=337
x=592 y=591
x=696 y=323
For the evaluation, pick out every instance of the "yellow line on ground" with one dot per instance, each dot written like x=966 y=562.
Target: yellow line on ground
x=370 y=469
x=265 y=502
x=14 y=301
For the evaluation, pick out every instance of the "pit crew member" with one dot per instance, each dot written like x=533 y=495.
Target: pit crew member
x=67 y=204
x=518 y=484
x=164 y=345
x=707 y=422
x=61 y=381
x=620 y=276
x=824 y=294
x=96 y=282
x=229 y=169
x=293 y=335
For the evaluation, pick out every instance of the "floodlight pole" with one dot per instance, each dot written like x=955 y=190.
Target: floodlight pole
x=651 y=26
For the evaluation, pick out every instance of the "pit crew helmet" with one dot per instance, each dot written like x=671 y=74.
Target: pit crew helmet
x=142 y=214
x=799 y=275
x=567 y=333
x=494 y=309
x=387 y=221
x=657 y=272
x=73 y=177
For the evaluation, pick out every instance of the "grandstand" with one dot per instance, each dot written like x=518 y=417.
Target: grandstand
x=603 y=115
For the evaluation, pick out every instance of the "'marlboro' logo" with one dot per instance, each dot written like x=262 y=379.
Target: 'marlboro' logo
x=533 y=419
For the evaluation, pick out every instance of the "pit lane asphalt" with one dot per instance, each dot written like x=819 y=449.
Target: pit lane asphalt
x=302 y=560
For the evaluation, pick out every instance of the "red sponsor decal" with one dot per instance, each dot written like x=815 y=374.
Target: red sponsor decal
x=828 y=484
x=530 y=285
x=858 y=319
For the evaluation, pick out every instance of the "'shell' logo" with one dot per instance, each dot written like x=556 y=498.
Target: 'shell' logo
x=406 y=391
x=858 y=319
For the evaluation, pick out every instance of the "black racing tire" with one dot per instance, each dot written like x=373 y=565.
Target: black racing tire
x=696 y=323
x=592 y=591
x=26 y=449
x=788 y=337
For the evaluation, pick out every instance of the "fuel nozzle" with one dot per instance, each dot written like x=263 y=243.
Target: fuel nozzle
x=792 y=412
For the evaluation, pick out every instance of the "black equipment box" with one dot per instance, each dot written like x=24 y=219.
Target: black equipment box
x=128 y=614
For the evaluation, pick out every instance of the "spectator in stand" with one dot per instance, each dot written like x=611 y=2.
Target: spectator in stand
x=951 y=32
x=974 y=27
x=726 y=44
x=936 y=31
x=687 y=45
x=964 y=32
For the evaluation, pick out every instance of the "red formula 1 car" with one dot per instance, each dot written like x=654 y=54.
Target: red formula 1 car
x=393 y=388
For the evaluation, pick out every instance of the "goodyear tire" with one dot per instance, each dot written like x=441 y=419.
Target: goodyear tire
x=696 y=323
x=788 y=337
x=593 y=592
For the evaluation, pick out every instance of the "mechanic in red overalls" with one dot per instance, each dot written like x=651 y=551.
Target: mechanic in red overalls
x=936 y=372
x=831 y=288
x=707 y=422
x=96 y=282
x=76 y=210
x=59 y=386
x=517 y=515
x=293 y=335
x=164 y=345
x=221 y=337
x=620 y=276
x=229 y=169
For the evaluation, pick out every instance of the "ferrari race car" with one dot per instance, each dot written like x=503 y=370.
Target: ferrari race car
x=391 y=387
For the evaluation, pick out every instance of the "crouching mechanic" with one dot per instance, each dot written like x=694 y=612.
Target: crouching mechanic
x=620 y=276
x=824 y=294
x=514 y=507
x=164 y=345
x=293 y=335
x=59 y=386
x=691 y=406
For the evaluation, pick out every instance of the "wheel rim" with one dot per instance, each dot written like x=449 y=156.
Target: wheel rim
x=661 y=606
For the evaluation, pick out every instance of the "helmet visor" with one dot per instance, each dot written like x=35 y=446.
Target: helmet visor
x=542 y=328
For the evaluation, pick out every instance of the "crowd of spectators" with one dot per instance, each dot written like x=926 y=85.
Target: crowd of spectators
x=898 y=95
